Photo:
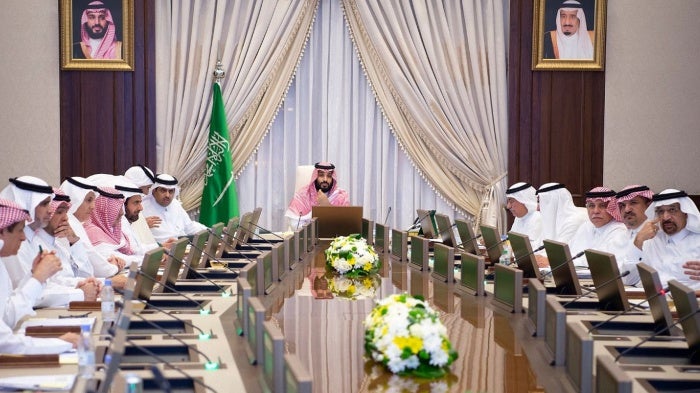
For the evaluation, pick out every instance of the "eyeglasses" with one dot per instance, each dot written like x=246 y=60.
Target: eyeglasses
x=671 y=210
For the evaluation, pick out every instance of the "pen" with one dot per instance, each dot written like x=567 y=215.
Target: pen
x=41 y=250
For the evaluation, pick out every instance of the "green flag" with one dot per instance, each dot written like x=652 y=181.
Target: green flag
x=219 y=198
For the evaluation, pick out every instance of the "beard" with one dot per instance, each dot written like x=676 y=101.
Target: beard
x=323 y=186
x=92 y=33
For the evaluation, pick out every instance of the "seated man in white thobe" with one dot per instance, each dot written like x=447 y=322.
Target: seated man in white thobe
x=560 y=217
x=521 y=201
x=35 y=196
x=83 y=194
x=676 y=246
x=15 y=304
x=603 y=231
x=162 y=202
x=633 y=202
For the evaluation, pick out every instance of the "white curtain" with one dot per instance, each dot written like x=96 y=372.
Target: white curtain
x=330 y=113
x=438 y=70
x=259 y=43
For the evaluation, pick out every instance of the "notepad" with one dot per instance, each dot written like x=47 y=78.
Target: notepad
x=49 y=383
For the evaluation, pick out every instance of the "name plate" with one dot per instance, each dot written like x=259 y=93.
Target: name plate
x=508 y=288
x=472 y=279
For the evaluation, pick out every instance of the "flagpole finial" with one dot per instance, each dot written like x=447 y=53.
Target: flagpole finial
x=219 y=72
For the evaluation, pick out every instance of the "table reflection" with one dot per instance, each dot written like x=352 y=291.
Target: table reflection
x=327 y=334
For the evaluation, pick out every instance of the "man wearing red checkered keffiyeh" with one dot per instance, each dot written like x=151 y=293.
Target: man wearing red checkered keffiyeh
x=632 y=201
x=105 y=226
x=59 y=236
x=98 y=38
x=18 y=303
x=603 y=230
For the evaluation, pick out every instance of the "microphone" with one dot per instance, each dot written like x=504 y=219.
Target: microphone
x=254 y=234
x=652 y=297
x=201 y=310
x=444 y=231
x=202 y=334
x=588 y=291
x=566 y=263
x=387 y=215
x=167 y=363
x=209 y=365
x=656 y=334
x=497 y=243
x=522 y=257
x=460 y=245
x=417 y=221
x=222 y=289
x=160 y=379
x=266 y=231
x=223 y=263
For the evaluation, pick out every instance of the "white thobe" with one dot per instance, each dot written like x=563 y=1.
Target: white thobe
x=530 y=225
x=667 y=254
x=100 y=267
x=610 y=238
x=14 y=303
x=19 y=302
x=175 y=220
x=58 y=291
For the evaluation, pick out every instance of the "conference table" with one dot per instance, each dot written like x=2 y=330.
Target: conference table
x=323 y=327
x=497 y=352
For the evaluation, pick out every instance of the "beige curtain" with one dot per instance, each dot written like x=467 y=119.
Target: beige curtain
x=259 y=44
x=438 y=70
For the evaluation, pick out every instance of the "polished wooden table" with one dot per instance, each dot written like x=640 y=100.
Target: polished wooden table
x=497 y=353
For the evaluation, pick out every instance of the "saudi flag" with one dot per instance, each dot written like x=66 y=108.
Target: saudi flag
x=219 y=198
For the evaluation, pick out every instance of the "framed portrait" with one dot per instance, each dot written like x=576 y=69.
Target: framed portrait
x=97 y=35
x=568 y=35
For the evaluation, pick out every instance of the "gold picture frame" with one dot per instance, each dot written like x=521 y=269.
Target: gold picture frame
x=547 y=53
x=116 y=46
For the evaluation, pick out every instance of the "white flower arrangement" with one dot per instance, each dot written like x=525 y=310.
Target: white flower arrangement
x=404 y=334
x=353 y=287
x=351 y=255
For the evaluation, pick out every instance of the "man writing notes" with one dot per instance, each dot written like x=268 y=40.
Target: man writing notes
x=322 y=190
x=571 y=39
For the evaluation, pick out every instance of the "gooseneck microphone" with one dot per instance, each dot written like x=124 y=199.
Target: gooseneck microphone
x=213 y=258
x=265 y=230
x=202 y=334
x=209 y=365
x=167 y=363
x=566 y=263
x=590 y=290
x=460 y=245
x=254 y=234
x=180 y=293
x=656 y=334
x=160 y=379
x=652 y=297
x=497 y=243
x=224 y=293
x=522 y=257
x=387 y=215
x=418 y=220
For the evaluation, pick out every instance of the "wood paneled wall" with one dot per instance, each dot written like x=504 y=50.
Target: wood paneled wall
x=108 y=118
x=555 y=117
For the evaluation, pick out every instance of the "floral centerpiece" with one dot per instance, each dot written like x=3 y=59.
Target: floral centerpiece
x=362 y=287
x=352 y=256
x=404 y=334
